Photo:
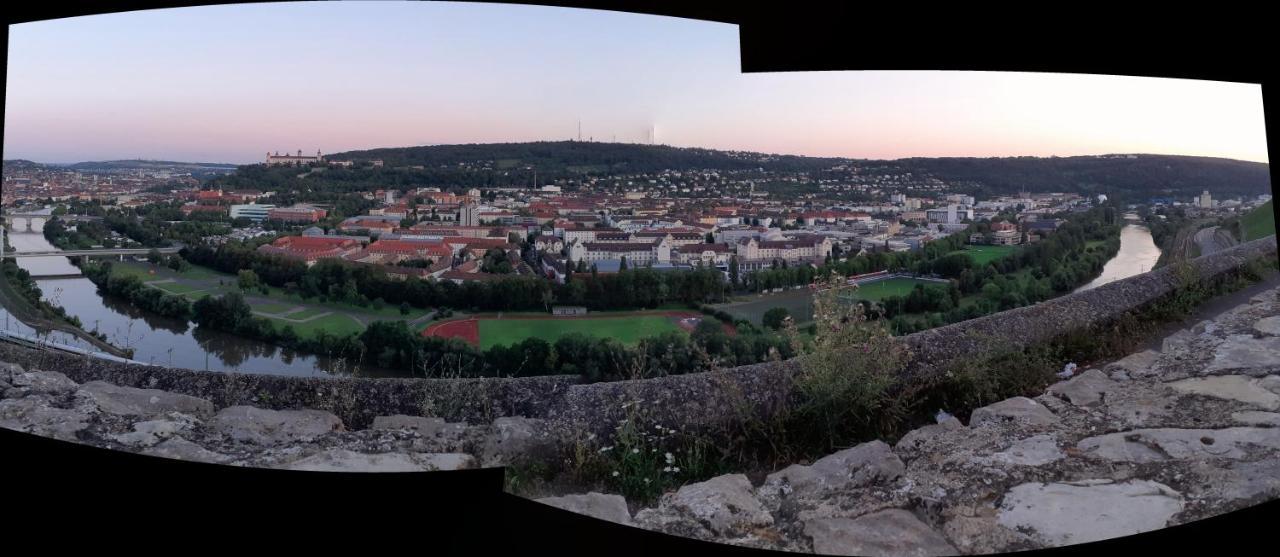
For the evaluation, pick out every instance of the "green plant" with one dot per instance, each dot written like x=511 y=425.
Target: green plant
x=847 y=379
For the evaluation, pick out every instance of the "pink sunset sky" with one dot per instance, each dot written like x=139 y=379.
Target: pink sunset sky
x=229 y=83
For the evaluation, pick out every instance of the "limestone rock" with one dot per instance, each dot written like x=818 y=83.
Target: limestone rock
x=983 y=534
x=859 y=466
x=426 y=427
x=1037 y=450
x=1020 y=410
x=1256 y=418
x=1081 y=512
x=181 y=449
x=128 y=401
x=921 y=438
x=1245 y=351
x=344 y=460
x=597 y=505
x=1177 y=344
x=248 y=424
x=1230 y=387
x=8 y=370
x=1268 y=325
x=513 y=438
x=888 y=533
x=1086 y=389
x=148 y=433
x=1154 y=445
x=1144 y=406
x=1270 y=383
x=43 y=382
x=34 y=414
x=1136 y=365
x=723 y=505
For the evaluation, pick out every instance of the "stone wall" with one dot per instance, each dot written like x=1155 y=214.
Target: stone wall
x=695 y=401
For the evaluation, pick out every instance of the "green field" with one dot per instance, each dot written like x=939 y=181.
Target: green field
x=985 y=254
x=1259 y=223
x=176 y=287
x=144 y=270
x=627 y=330
x=273 y=308
x=304 y=314
x=798 y=303
x=336 y=324
x=880 y=290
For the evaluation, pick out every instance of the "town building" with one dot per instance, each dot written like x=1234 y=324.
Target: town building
x=296 y=213
x=293 y=160
x=311 y=248
x=253 y=211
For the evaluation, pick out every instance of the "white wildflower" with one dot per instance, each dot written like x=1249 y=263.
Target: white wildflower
x=670 y=458
x=615 y=473
x=676 y=469
x=635 y=451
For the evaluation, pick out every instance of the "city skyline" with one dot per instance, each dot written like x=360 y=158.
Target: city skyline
x=230 y=83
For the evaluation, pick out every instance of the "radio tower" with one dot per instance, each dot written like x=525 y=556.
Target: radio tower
x=579 y=130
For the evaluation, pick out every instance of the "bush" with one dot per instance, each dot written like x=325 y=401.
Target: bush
x=775 y=318
x=846 y=379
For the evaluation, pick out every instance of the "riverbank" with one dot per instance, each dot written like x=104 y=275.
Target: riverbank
x=19 y=308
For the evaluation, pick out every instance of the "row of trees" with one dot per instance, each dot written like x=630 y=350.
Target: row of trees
x=132 y=289
x=344 y=281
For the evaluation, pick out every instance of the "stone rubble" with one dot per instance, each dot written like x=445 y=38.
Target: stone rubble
x=1155 y=439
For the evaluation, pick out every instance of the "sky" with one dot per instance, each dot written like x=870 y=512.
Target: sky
x=230 y=83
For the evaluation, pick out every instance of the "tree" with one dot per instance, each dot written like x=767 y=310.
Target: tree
x=623 y=265
x=775 y=318
x=153 y=256
x=248 y=280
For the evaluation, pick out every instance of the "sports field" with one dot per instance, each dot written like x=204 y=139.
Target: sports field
x=985 y=254
x=798 y=303
x=898 y=286
x=492 y=330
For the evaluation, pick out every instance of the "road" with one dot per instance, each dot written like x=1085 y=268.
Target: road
x=1213 y=239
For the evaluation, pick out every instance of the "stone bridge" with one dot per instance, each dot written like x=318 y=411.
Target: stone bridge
x=28 y=219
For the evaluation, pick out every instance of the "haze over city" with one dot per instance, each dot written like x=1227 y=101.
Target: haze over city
x=229 y=83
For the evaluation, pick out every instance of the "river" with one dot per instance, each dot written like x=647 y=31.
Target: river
x=1138 y=254
x=155 y=339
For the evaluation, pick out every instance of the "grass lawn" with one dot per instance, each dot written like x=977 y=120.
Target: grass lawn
x=307 y=313
x=985 y=254
x=177 y=287
x=272 y=308
x=880 y=290
x=798 y=303
x=143 y=271
x=1259 y=223
x=336 y=324
x=627 y=330
x=140 y=270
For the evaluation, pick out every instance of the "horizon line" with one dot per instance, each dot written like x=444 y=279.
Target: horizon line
x=720 y=149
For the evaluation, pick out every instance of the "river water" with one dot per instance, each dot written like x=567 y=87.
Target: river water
x=1138 y=254
x=155 y=339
